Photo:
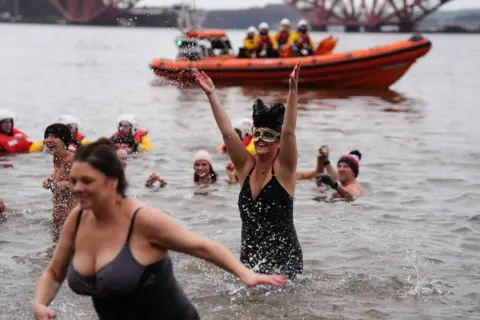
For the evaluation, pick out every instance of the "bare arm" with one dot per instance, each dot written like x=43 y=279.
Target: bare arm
x=53 y=276
x=350 y=192
x=304 y=175
x=166 y=233
x=331 y=171
x=241 y=158
x=288 y=142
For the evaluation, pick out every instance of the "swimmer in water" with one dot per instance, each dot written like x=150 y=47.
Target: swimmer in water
x=116 y=249
x=57 y=139
x=74 y=124
x=269 y=238
x=203 y=172
x=123 y=157
x=348 y=168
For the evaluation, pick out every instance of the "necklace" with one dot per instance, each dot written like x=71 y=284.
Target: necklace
x=263 y=171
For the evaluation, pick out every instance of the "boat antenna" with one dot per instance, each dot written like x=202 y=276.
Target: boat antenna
x=189 y=17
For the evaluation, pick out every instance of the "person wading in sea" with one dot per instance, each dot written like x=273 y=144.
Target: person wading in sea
x=269 y=239
x=115 y=249
x=348 y=167
x=57 y=140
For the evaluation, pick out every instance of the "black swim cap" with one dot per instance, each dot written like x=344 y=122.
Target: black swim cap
x=268 y=116
x=60 y=131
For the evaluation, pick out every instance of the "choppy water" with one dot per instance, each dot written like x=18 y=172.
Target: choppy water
x=409 y=249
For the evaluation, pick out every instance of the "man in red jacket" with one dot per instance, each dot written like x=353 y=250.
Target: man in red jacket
x=11 y=140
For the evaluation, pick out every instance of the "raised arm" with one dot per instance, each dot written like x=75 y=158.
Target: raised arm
x=52 y=278
x=288 y=142
x=166 y=233
x=235 y=148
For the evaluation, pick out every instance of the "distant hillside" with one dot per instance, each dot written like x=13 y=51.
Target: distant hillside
x=450 y=16
x=242 y=19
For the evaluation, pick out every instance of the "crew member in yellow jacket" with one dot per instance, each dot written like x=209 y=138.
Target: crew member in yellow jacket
x=302 y=44
x=250 y=42
x=284 y=33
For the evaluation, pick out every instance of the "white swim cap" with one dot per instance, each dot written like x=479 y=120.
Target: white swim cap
x=285 y=22
x=202 y=155
x=302 y=23
x=252 y=29
x=130 y=118
x=263 y=25
x=67 y=119
x=245 y=126
x=6 y=114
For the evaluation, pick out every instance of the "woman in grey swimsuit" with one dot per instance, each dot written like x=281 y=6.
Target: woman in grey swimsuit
x=115 y=249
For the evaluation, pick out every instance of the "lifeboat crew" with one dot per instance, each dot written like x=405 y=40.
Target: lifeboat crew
x=266 y=45
x=12 y=140
x=129 y=136
x=73 y=123
x=284 y=34
x=250 y=42
x=301 y=42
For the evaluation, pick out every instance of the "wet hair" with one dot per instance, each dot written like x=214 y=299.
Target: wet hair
x=60 y=131
x=351 y=161
x=101 y=155
x=212 y=174
x=268 y=116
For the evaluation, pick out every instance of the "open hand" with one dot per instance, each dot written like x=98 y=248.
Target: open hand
x=294 y=76
x=203 y=80
x=253 y=279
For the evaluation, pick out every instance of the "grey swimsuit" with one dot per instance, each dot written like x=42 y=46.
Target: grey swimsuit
x=125 y=289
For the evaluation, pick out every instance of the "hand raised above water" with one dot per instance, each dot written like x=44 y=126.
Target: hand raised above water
x=203 y=80
x=293 y=82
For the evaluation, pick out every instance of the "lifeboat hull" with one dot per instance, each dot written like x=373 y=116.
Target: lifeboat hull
x=373 y=68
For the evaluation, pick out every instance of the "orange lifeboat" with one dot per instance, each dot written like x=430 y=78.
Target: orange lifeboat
x=372 y=68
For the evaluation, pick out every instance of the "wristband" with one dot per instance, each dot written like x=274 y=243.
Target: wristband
x=210 y=91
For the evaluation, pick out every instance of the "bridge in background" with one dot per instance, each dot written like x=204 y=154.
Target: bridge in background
x=371 y=15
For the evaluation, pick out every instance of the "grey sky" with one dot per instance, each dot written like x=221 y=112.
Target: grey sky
x=215 y=4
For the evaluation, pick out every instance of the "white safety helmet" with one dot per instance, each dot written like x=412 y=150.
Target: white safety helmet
x=302 y=23
x=245 y=126
x=252 y=29
x=7 y=114
x=285 y=22
x=67 y=119
x=130 y=118
x=263 y=25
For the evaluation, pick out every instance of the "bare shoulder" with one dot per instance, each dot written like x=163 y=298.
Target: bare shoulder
x=150 y=219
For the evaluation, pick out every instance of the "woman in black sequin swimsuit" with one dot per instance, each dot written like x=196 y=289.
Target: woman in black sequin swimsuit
x=269 y=240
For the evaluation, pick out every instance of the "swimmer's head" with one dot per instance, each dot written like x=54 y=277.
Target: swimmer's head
x=243 y=127
x=7 y=118
x=72 y=122
x=202 y=166
x=267 y=122
x=57 y=137
x=127 y=123
x=97 y=175
x=123 y=156
x=348 y=166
